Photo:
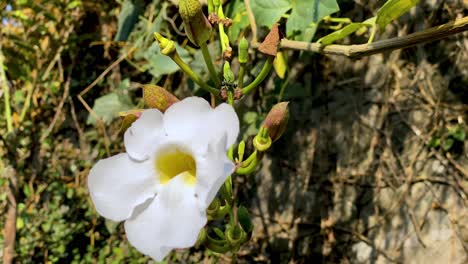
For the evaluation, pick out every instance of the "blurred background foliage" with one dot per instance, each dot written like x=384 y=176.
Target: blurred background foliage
x=53 y=50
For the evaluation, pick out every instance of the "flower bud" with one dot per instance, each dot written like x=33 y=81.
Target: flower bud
x=276 y=120
x=197 y=26
x=243 y=50
x=166 y=45
x=227 y=73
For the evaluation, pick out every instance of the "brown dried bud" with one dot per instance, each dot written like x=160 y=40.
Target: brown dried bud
x=197 y=26
x=157 y=97
x=277 y=120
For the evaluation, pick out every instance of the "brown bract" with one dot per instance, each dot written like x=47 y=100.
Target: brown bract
x=157 y=97
x=270 y=45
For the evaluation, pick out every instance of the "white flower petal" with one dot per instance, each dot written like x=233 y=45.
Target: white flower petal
x=172 y=220
x=213 y=168
x=142 y=136
x=118 y=184
x=194 y=119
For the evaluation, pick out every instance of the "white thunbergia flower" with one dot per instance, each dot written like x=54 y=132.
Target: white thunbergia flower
x=174 y=165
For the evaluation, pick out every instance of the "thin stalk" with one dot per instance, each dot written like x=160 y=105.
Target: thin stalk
x=185 y=68
x=209 y=64
x=6 y=94
x=230 y=98
x=240 y=79
x=223 y=38
x=260 y=77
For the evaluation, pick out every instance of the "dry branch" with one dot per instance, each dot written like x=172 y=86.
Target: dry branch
x=356 y=51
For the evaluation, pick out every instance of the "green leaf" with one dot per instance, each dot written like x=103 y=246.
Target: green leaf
x=268 y=12
x=280 y=64
x=392 y=10
x=306 y=12
x=340 y=34
x=237 y=11
x=434 y=142
x=244 y=219
x=128 y=17
x=159 y=64
x=250 y=117
x=447 y=144
x=457 y=133
x=107 y=107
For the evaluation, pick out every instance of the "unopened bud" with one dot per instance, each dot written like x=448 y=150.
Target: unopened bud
x=227 y=73
x=197 y=26
x=166 y=45
x=243 y=50
x=157 y=97
x=276 y=121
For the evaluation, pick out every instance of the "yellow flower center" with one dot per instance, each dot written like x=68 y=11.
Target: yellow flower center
x=173 y=163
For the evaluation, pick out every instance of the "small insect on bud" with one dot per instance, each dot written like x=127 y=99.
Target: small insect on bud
x=157 y=97
x=197 y=26
x=276 y=121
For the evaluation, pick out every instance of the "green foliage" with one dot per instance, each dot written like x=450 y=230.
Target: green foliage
x=269 y=12
x=448 y=138
x=305 y=16
x=393 y=9
x=303 y=19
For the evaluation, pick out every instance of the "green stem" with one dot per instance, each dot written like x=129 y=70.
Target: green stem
x=6 y=92
x=223 y=38
x=283 y=88
x=250 y=164
x=184 y=67
x=338 y=19
x=230 y=98
x=260 y=77
x=240 y=80
x=209 y=64
x=374 y=30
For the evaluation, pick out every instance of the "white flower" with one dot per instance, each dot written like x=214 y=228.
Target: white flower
x=174 y=166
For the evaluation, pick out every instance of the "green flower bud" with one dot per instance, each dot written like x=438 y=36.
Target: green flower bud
x=166 y=45
x=227 y=73
x=197 y=26
x=243 y=50
x=276 y=121
x=157 y=97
